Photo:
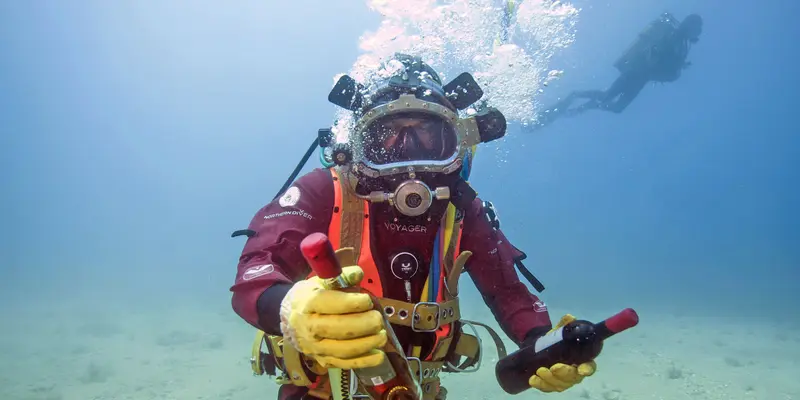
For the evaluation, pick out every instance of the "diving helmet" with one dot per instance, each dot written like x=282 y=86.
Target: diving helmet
x=691 y=27
x=407 y=142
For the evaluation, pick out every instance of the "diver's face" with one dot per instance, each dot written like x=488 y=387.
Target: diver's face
x=412 y=133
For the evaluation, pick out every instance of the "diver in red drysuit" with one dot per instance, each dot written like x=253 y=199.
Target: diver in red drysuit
x=271 y=263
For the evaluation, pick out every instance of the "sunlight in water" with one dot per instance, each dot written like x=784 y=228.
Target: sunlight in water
x=508 y=53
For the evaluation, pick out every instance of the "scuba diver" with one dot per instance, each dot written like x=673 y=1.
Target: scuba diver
x=658 y=55
x=396 y=203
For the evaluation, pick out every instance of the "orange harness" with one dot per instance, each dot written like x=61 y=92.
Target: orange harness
x=349 y=213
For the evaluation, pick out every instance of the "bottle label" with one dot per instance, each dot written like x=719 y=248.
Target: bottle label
x=549 y=339
x=374 y=376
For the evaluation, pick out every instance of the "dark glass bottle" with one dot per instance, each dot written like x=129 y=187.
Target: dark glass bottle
x=575 y=343
x=391 y=380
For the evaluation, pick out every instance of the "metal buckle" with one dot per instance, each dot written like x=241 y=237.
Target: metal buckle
x=414 y=316
x=479 y=356
x=254 y=364
x=419 y=370
x=255 y=359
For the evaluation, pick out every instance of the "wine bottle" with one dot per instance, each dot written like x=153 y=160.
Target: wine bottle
x=575 y=343
x=392 y=379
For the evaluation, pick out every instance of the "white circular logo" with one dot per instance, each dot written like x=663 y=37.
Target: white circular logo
x=404 y=265
x=290 y=198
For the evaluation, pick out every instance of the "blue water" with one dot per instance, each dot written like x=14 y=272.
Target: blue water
x=688 y=196
x=134 y=137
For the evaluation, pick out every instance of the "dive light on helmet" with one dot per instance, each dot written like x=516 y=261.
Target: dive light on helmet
x=491 y=124
x=325 y=137
x=341 y=154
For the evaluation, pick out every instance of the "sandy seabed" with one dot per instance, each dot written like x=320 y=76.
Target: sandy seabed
x=185 y=352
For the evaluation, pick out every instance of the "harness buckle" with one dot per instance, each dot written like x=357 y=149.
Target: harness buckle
x=419 y=370
x=416 y=317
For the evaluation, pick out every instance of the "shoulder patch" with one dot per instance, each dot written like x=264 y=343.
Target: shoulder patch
x=290 y=198
x=256 y=271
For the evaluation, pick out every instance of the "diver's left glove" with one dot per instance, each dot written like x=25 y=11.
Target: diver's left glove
x=335 y=328
x=561 y=377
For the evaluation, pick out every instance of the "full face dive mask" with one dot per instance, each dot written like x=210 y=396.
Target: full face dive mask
x=408 y=143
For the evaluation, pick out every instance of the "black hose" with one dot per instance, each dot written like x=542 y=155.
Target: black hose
x=536 y=283
x=299 y=166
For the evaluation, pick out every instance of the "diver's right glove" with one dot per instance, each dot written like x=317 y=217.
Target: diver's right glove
x=335 y=328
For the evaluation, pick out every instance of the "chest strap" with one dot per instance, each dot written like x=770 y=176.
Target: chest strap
x=427 y=316
x=470 y=347
x=454 y=274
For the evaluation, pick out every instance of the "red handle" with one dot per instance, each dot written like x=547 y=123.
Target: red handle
x=318 y=251
x=623 y=320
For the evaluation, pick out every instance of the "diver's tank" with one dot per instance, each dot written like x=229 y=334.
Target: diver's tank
x=637 y=54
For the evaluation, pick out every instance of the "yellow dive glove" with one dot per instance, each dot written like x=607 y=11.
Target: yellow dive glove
x=561 y=377
x=336 y=328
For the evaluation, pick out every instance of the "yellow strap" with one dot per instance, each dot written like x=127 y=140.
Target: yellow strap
x=467 y=345
x=449 y=219
x=352 y=219
x=448 y=226
x=255 y=354
x=454 y=274
x=294 y=367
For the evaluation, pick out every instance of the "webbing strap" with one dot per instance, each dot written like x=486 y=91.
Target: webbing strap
x=450 y=257
x=352 y=219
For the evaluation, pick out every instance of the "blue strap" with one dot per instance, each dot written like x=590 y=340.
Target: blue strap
x=466 y=166
x=433 y=276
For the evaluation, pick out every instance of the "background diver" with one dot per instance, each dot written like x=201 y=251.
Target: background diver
x=658 y=55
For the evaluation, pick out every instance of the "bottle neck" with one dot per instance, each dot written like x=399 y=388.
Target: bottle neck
x=602 y=331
